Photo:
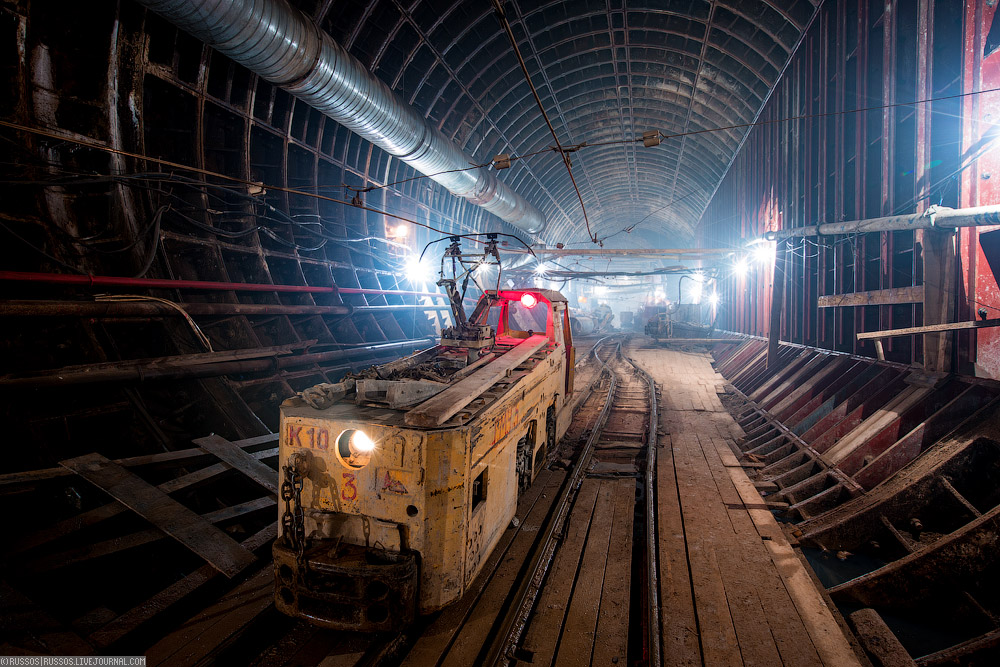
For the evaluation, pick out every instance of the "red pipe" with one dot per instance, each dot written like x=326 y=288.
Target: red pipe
x=114 y=281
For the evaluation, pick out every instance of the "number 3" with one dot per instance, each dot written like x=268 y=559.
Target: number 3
x=349 y=485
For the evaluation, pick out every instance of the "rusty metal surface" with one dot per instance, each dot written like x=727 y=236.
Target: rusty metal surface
x=347 y=587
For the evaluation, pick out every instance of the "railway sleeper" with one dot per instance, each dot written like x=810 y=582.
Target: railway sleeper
x=769 y=446
x=808 y=487
x=825 y=500
x=760 y=433
x=801 y=472
x=781 y=459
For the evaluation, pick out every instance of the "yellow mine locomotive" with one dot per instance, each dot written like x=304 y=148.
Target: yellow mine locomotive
x=398 y=482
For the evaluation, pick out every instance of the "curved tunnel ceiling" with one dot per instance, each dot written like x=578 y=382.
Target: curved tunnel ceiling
x=604 y=72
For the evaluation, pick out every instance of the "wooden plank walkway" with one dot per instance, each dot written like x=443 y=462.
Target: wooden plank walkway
x=732 y=590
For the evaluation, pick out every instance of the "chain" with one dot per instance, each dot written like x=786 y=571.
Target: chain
x=293 y=520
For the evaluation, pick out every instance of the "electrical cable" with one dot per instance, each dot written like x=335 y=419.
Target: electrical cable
x=505 y=24
x=206 y=172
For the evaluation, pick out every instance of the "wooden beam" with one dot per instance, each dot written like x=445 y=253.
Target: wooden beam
x=178 y=457
x=777 y=302
x=880 y=297
x=878 y=640
x=201 y=639
x=173 y=518
x=439 y=409
x=910 y=331
x=625 y=252
x=114 y=545
x=231 y=453
x=172 y=595
x=939 y=295
x=114 y=508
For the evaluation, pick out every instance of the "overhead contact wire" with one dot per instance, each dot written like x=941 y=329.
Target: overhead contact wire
x=498 y=7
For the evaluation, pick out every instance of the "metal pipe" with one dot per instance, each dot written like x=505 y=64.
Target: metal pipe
x=155 y=309
x=145 y=309
x=935 y=217
x=166 y=283
x=283 y=46
x=181 y=368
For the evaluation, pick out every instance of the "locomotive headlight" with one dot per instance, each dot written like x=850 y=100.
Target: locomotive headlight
x=528 y=300
x=355 y=448
x=361 y=443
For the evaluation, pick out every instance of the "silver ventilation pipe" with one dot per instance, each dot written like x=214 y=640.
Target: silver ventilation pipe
x=281 y=45
x=935 y=217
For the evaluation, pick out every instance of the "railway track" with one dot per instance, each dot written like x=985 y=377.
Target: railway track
x=608 y=474
x=587 y=514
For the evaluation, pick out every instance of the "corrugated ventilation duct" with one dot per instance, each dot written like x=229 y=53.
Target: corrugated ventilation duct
x=280 y=44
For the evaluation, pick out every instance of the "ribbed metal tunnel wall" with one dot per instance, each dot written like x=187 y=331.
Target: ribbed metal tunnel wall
x=839 y=165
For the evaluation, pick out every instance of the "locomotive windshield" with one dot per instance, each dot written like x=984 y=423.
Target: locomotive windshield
x=522 y=318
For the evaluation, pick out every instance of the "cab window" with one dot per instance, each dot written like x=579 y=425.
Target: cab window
x=521 y=318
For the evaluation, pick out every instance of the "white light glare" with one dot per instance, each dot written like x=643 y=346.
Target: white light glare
x=741 y=267
x=763 y=253
x=541 y=268
x=362 y=443
x=696 y=292
x=600 y=290
x=418 y=271
x=713 y=298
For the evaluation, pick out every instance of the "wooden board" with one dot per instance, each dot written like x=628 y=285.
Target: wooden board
x=439 y=409
x=176 y=520
x=543 y=633
x=175 y=457
x=830 y=643
x=114 y=545
x=930 y=328
x=98 y=514
x=232 y=454
x=881 y=297
x=679 y=626
x=579 y=633
x=611 y=645
x=166 y=599
x=206 y=634
x=754 y=600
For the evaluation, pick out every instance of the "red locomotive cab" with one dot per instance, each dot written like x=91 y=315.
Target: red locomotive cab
x=518 y=314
